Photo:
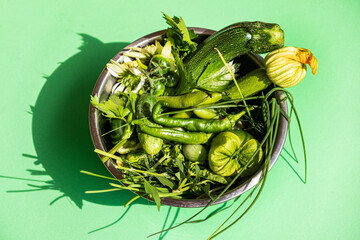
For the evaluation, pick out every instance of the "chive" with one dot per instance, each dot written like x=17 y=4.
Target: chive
x=273 y=134
x=105 y=190
x=236 y=84
x=226 y=188
x=97 y=175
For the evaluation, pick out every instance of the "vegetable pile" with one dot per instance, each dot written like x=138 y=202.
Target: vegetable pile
x=192 y=118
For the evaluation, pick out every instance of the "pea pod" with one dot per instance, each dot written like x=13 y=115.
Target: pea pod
x=194 y=124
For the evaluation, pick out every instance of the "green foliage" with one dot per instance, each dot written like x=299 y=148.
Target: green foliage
x=115 y=107
x=180 y=37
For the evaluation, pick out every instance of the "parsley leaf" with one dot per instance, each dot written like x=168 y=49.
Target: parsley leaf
x=114 y=107
x=180 y=37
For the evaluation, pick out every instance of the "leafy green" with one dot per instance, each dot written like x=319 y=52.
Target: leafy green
x=204 y=173
x=180 y=37
x=153 y=192
x=114 y=107
x=166 y=182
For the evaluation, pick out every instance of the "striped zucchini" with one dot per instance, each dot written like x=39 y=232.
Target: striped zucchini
x=232 y=41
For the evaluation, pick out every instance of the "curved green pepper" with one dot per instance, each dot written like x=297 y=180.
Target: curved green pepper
x=190 y=99
x=194 y=124
x=171 y=134
x=152 y=145
x=206 y=113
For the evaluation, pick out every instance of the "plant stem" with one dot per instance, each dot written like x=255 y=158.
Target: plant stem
x=236 y=84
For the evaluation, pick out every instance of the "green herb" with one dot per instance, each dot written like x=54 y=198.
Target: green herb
x=180 y=37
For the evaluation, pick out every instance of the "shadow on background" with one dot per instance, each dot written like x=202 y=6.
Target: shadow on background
x=62 y=139
x=61 y=131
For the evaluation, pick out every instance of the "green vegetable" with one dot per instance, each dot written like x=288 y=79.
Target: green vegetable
x=180 y=37
x=230 y=151
x=216 y=76
x=195 y=153
x=158 y=89
x=232 y=41
x=152 y=145
x=196 y=98
x=182 y=115
x=206 y=113
x=172 y=79
x=117 y=125
x=250 y=84
x=161 y=64
x=195 y=124
x=172 y=135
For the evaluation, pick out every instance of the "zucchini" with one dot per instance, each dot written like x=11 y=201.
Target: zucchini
x=251 y=83
x=232 y=41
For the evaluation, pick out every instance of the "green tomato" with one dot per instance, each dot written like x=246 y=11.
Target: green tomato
x=230 y=151
x=159 y=89
x=195 y=152
x=163 y=63
x=172 y=79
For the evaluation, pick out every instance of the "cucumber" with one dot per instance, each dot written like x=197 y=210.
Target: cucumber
x=232 y=41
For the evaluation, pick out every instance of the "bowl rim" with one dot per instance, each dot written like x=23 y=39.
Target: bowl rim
x=186 y=203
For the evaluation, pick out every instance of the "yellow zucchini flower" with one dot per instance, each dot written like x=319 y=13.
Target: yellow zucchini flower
x=286 y=67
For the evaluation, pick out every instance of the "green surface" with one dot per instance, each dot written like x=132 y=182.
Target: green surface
x=51 y=55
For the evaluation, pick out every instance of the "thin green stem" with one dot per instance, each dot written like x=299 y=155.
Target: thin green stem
x=226 y=188
x=103 y=191
x=236 y=84
x=272 y=137
x=139 y=171
x=97 y=175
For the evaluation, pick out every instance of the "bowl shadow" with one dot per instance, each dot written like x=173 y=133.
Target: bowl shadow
x=61 y=131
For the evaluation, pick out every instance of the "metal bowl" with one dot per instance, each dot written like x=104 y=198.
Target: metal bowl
x=103 y=89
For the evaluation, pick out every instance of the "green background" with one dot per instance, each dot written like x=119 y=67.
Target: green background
x=51 y=55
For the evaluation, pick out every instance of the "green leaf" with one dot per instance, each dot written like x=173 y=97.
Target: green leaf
x=112 y=108
x=166 y=182
x=178 y=176
x=206 y=189
x=179 y=36
x=153 y=192
x=180 y=165
x=212 y=176
x=197 y=171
